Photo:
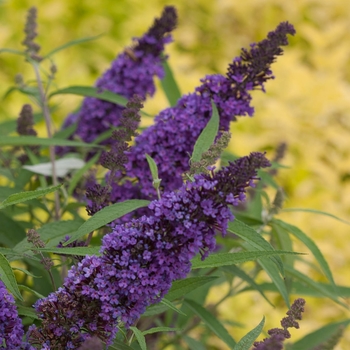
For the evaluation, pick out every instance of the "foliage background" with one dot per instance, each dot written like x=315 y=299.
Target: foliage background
x=307 y=105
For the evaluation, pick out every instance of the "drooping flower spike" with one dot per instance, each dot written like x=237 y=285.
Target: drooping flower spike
x=170 y=141
x=142 y=258
x=132 y=72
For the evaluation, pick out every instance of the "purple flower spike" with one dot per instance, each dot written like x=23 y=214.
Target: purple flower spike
x=170 y=141
x=142 y=258
x=11 y=329
x=131 y=73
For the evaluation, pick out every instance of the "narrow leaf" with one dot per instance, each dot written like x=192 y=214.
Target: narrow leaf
x=314 y=211
x=153 y=167
x=179 y=289
x=207 y=136
x=311 y=245
x=252 y=237
x=312 y=340
x=140 y=338
x=16 y=52
x=247 y=341
x=211 y=322
x=169 y=85
x=37 y=141
x=161 y=329
x=236 y=271
x=107 y=215
x=314 y=285
x=171 y=306
x=7 y=276
x=26 y=196
x=27 y=311
x=118 y=345
x=81 y=251
x=71 y=43
x=224 y=259
x=193 y=344
x=276 y=278
x=92 y=92
x=26 y=272
x=23 y=287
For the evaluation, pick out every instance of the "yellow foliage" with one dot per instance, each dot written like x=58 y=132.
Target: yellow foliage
x=307 y=105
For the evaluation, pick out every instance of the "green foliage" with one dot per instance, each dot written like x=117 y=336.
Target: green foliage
x=258 y=256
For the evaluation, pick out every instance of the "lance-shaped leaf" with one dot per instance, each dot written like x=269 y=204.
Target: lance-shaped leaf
x=247 y=341
x=26 y=196
x=207 y=136
x=8 y=277
x=107 y=215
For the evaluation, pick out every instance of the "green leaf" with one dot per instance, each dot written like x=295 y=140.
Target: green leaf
x=236 y=271
x=211 y=322
x=171 y=306
x=182 y=287
x=7 y=276
x=92 y=92
x=37 y=141
x=51 y=233
x=71 y=43
x=140 y=338
x=26 y=196
x=10 y=231
x=23 y=287
x=224 y=259
x=16 y=52
x=25 y=271
x=314 y=211
x=314 y=285
x=81 y=251
x=207 y=136
x=107 y=215
x=27 y=311
x=193 y=344
x=161 y=329
x=118 y=345
x=66 y=132
x=178 y=290
x=247 y=341
x=253 y=238
x=169 y=85
x=311 y=245
x=153 y=167
x=312 y=340
x=276 y=278
x=80 y=173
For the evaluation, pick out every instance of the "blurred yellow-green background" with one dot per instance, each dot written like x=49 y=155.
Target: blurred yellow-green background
x=307 y=105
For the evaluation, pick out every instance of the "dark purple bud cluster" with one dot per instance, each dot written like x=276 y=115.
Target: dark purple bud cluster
x=131 y=73
x=170 y=141
x=30 y=31
x=141 y=259
x=25 y=124
x=279 y=335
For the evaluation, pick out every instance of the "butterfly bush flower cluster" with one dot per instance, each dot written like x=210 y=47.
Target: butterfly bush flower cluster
x=131 y=73
x=140 y=259
x=11 y=329
x=171 y=139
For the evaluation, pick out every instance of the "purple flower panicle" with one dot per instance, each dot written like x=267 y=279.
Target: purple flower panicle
x=142 y=258
x=170 y=141
x=11 y=328
x=131 y=73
